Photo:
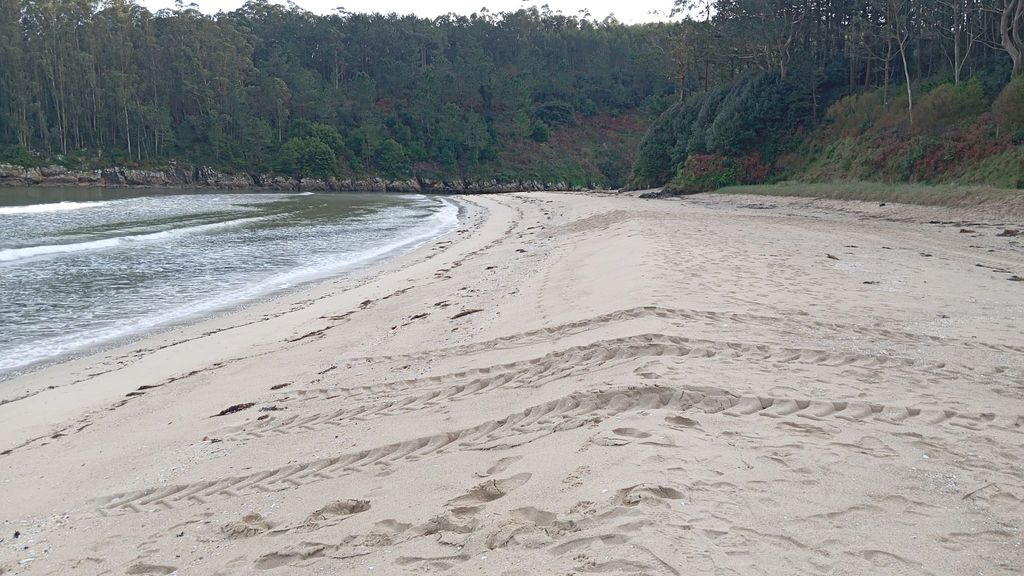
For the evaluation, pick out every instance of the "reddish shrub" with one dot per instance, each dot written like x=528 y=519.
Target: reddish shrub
x=754 y=170
x=700 y=165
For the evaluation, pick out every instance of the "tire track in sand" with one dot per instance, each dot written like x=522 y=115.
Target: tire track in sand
x=519 y=428
x=534 y=372
x=528 y=337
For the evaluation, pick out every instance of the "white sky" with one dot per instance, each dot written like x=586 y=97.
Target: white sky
x=630 y=11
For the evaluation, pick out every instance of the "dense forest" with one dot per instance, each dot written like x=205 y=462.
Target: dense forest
x=732 y=92
x=820 y=90
x=529 y=94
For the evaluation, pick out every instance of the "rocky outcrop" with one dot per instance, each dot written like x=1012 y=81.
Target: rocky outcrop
x=205 y=177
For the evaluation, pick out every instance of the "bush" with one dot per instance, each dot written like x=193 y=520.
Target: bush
x=948 y=106
x=613 y=167
x=555 y=113
x=992 y=73
x=17 y=155
x=306 y=158
x=753 y=170
x=703 y=173
x=756 y=112
x=1008 y=108
x=663 y=146
x=539 y=131
x=854 y=114
x=705 y=116
x=328 y=135
x=756 y=118
x=919 y=150
x=391 y=159
x=876 y=111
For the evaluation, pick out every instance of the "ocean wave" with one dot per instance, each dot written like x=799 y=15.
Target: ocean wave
x=29 y=252
x=443 y=220
x=51 y=207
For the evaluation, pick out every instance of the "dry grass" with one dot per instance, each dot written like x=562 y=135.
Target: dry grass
x=923 y=194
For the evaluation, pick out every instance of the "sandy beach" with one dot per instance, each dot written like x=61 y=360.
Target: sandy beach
x=567 y=384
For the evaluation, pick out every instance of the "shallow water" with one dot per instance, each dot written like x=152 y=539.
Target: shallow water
x=79 y=268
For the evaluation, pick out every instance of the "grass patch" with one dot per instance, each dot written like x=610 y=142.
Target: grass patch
x=1005 y=169
x=923 y=194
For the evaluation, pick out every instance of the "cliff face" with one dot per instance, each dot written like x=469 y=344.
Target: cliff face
x=205 y=177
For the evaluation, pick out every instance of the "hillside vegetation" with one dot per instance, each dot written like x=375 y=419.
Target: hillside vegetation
x=818 y=91
x=737 y=92
x=525 y=95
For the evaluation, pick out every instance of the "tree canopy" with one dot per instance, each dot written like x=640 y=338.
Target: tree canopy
x=261 y=87
x=763 y=79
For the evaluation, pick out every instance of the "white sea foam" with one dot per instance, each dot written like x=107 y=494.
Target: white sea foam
x=51 y=207
x=28 y=252
x=441 y=222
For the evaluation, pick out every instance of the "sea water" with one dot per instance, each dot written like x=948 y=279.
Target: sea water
x=80 y=268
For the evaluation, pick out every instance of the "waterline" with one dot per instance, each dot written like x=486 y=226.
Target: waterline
x=32 y=252
x=49 y=207
x=162 y=260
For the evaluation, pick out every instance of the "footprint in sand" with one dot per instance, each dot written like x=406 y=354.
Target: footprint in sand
x=302 y=552
x=491 y=490
x=499 y=466
x=631 y=433
x=619 y=437
x=336 y=509
x=250 y=525
x=681 y=422
x=530 y=527
x=383 y=533
x=647 y=493
x=143 y=568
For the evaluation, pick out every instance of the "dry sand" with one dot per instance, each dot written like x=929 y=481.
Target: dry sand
x=568 y=384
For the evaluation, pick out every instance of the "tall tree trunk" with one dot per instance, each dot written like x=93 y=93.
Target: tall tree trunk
x=888 y=65
x=1011 y=32
x=127 y=129
x=906 y=74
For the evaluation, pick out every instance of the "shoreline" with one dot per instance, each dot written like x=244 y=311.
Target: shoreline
x=205 y=177
x=242 y=299
x=566 y=383
x=213 y=321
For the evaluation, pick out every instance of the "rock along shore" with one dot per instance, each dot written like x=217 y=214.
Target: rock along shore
x=205 y=177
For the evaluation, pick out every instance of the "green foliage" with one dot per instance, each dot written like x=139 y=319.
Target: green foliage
x=948 y=106
x=703 y=173
x=753 y=115
x=613 y=168
x=860 y=88
x=328 y=135
x=17 y=155
x=460 y=96
x=705 y=117
x=868 y=136
x=1004 y=170
x=306 y=158
x=757 y=114
x=656 y=105
x=664 y=146
x=992 y=74
x=391 y=159
x=556 y=113
x=950 y=195
x=539 y=131
x=907 y=161
x=854 y=114
x=1008 y=108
